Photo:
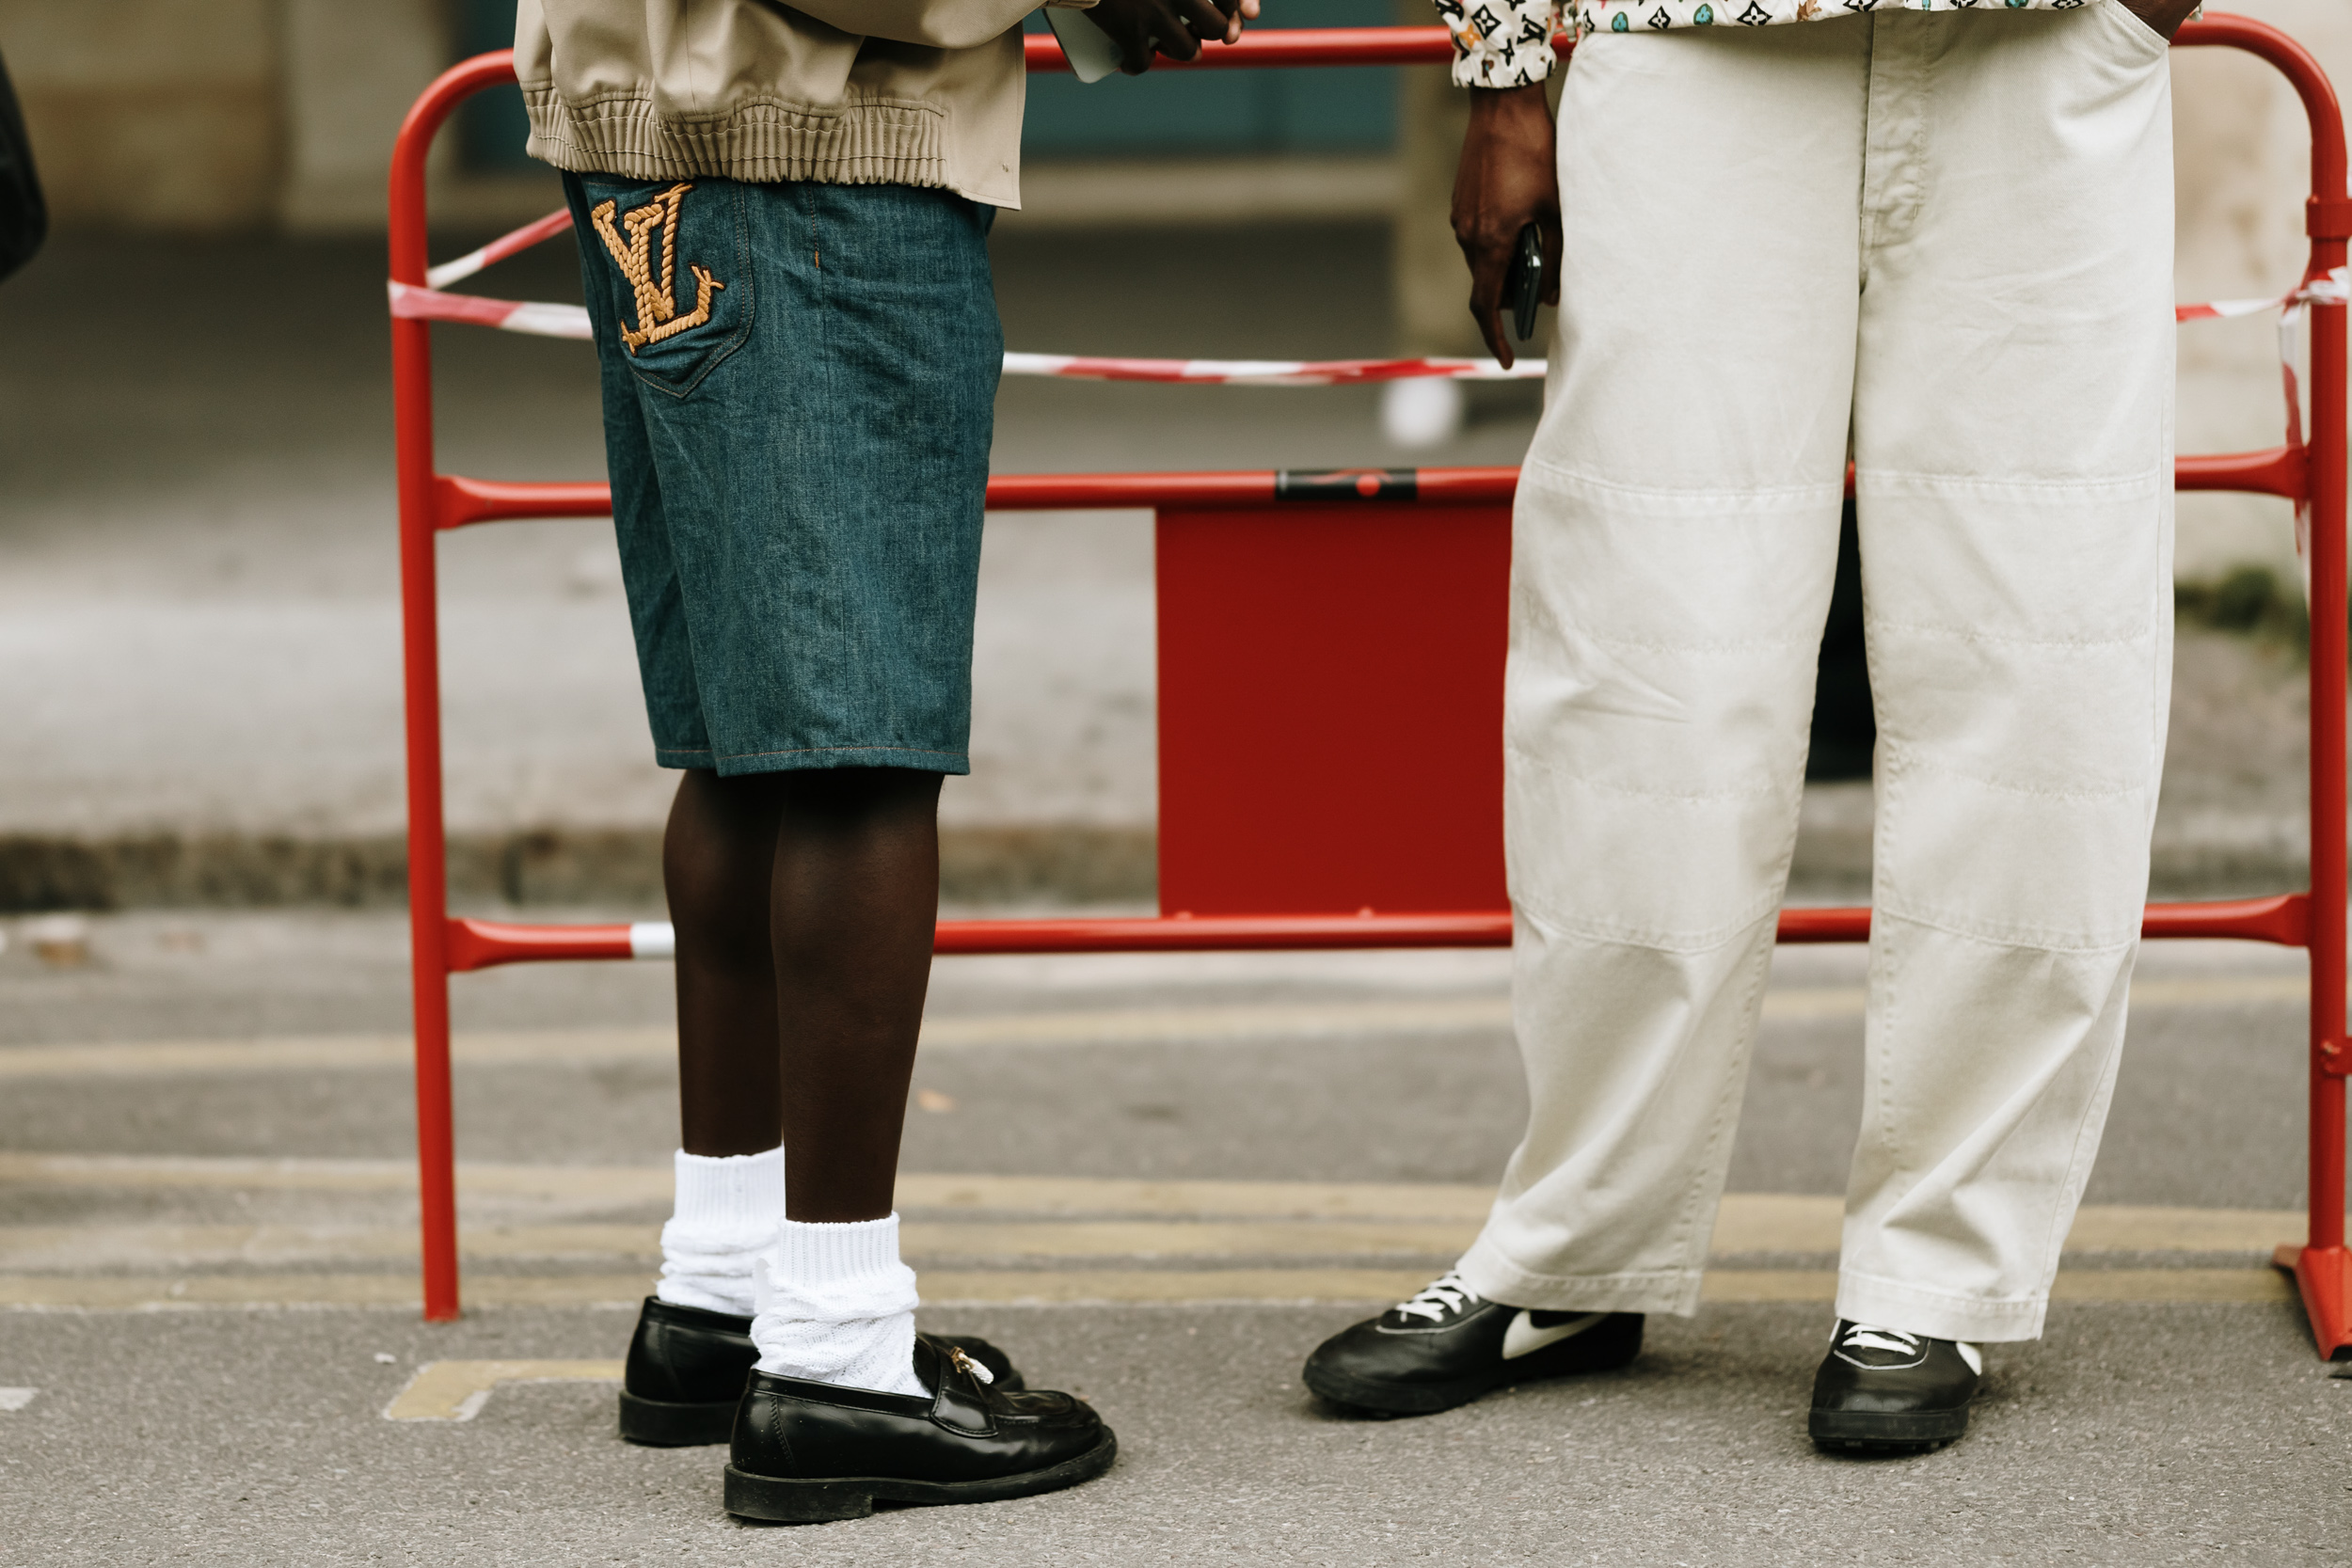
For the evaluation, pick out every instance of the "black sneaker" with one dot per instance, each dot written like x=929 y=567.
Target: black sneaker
x=810 y=1452
x=686 y=1370
x=1882 y=1390
x=1447 y=1346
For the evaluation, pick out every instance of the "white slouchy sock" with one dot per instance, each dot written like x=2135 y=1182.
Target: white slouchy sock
x=837 y=1306
x=728 y=1207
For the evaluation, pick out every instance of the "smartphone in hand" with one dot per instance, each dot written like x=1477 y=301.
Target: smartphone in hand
x=1523 y=285
x=1091 y=54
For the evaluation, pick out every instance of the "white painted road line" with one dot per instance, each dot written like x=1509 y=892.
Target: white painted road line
x=457 y=1390
x=17 y=1399
x=1008 y=1286
x=1748 y=1221
x=1208 y=1025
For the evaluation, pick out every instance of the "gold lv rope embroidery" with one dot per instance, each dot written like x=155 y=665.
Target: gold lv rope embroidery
x=657 y=303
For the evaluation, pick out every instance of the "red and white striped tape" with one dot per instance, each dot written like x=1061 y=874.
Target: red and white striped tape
x=2330 y=289
x=500 y=248
x=411 y=303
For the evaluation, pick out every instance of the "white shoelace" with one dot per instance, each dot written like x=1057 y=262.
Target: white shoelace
x=1870 y=1336
x=1438 y=1298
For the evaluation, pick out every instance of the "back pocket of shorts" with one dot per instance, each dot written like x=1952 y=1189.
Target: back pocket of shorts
x=675 y=256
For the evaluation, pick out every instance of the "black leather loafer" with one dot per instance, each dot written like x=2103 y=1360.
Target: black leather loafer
x=686 y=1370
x=810 y=1452
x=1882 y=1390
x=1448 y=1345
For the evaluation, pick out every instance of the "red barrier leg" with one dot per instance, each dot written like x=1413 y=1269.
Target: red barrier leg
x=2324 y=1269
x=428 y=892
x=428 y=925
x=428 y=905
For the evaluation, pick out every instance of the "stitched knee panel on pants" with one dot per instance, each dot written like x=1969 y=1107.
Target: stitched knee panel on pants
x=1656 y=701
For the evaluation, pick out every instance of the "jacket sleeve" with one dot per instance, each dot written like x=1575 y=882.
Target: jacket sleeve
x=1501 y=43
x=939 y=24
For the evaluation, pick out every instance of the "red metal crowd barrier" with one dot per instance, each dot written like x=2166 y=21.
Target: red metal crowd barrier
x=1301 y=612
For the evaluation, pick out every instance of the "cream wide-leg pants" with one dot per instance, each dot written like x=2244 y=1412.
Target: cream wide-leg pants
x=1945 y=239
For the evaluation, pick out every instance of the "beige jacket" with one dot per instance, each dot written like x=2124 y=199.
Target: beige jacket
x=903 y=92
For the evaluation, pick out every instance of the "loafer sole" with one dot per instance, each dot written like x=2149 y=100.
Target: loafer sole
x=1888 y=1431
x=810 y=1502
x=658 y=1424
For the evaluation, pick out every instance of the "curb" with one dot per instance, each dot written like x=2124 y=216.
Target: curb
x=1069 y=864
x=544 y=866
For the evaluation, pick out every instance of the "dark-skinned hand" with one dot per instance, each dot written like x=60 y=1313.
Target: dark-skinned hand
x=1506 y=181
x=1175 y=28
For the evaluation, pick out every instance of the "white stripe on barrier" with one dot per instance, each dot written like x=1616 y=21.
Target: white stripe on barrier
x=653 y=939
x=500 y=248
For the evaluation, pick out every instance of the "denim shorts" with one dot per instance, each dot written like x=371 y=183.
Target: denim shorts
x=799 y=386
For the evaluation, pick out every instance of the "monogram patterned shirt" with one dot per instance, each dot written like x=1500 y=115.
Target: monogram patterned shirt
x=1507 y=43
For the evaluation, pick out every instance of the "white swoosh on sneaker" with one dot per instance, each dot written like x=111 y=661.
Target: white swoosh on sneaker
x=1523 y=1338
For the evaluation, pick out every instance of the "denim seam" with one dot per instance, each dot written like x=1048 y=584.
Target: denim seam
x=812 y=751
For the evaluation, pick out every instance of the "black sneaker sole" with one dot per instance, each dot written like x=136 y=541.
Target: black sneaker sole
x=1428 y=1398
x=1392 y=1398
x=1886 y=1431
x=811 y=1502
x=658 y=1424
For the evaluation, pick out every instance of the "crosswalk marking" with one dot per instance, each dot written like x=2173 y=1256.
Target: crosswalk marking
x=456 y=1391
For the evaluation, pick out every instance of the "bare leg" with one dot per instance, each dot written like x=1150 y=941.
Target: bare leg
x=804 y=904
x=717 y=862
x=855 y=900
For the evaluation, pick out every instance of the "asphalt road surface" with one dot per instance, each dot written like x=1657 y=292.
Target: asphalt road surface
x=1157 y=1180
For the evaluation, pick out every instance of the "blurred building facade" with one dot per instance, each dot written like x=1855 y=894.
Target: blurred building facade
x=235 y=115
